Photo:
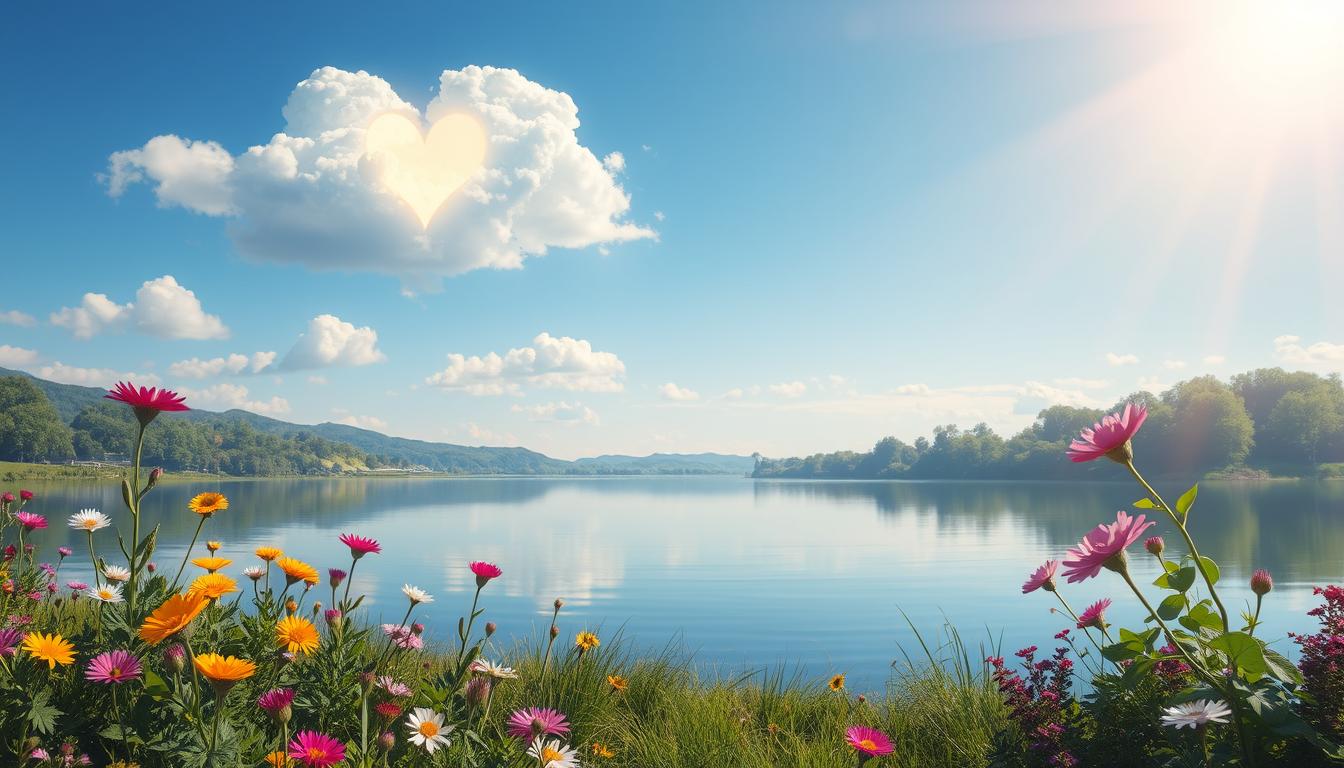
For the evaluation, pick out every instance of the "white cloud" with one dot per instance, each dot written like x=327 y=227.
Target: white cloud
x=1151 y=384
x=671 y=391
x=614 y=163
x=16 y=356
x=551 y=362
x=363 y=422
x=91 y=377
x=15 y=317
x=736 y=393
x=330 y=341
x=485 y=436
x=1118 y=360
x=162 y=307
x=1322 y=355
x=191 y=174
x=659 y=215
x=560 y=413
x=912 y=389
x=1173 y=365
x=1079 y=383
x=788 y=389
x=309 y=196
x=225 y=396
x=1214 y=359
x=234 y=364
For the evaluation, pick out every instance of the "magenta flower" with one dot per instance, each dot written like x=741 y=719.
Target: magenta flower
x=30 y=521
x=40 y=754
x=64 y=552
x=77 y=586
x=527 y=724
x=316 y=750
x=1095 y=615
x=393 y=686
x=335 y=576
x=7 y=497
x=1261 y=583
x=1043 y=577
x=276 y=700
x=1104 y=546
x=360 y=545
x=25 y=495
x=112 y=667
x=403 y=637
x=868 y=742
x=1155 y=545
x=1109 y=437
x=9 y=641
x=485 y=572
x=147 y=402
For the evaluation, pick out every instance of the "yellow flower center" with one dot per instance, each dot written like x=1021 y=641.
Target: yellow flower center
x=90 y=524
x=114 y=672
x=428 y=729
x=868 y=744
x=548 y=754
x=315 y=754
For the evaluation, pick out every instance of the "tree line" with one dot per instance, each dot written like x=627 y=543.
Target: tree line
x=1268 y=419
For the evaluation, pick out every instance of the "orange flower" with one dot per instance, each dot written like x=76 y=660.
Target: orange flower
x=172 y=617
x=269 y=553
x=278 y=760
x=52 y=649
x=296 y=634
x=618 y=684
x=224 y=671
x=212 y=564
x=213 y=586
x=208 y=503
x=297 y=570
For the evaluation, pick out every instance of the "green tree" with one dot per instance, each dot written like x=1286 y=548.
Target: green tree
x=1305 y=419
x=1209 y=427
x=30 y=427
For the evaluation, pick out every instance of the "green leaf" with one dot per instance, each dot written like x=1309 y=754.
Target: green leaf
x=1183 y=579
x=1145 y=503
x=1187 y=500
x=1280 y=668
x=1119 y=652
x=1171 y=607
x=42 y=714
x=155 y=685
x=1210 y=569
x=1243 y=651
x=1203 y=615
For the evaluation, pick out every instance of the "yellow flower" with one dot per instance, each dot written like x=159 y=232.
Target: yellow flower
x=269 y=553
x=212 y=564
x=172 y=617
x=214 y=546
x=52 y=649
x=297 y=570
x=278 y=760
x=208 y=503
x=617 y=683
x=296 y=634
x=586 y=641
x=213 y=586
x=223 y=671
x=602 y=750
x=837 y=683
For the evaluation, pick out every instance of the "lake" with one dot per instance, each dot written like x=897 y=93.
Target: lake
x=811 y=576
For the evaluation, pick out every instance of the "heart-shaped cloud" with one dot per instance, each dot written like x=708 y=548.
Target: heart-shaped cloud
x=426 y=171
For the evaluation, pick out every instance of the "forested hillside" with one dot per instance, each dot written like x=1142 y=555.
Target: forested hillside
x=1270 y=419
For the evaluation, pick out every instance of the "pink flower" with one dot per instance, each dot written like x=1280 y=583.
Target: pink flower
x=1043 y=577
x=1109 y=437
x=25 y=495
x=392 y=686
x=316 y=750
x=147 y=402
x=335 y=576
x=276 y=701
x=360 y=545
x=869 y=742
x=64 y=552
x=403 y=637
x=1261 y=583
x=40 y=754
x=485 y=572
x=30 y=521
x=1104 y=546
x=1095 y=615
x=1155 y=545
x=529 y=723
x=77 y=586
x=9 y=641
x=112 y=667
x=7 y=497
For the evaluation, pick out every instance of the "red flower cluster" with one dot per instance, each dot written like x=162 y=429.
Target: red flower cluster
x=1036 y=703
x=1322 y=663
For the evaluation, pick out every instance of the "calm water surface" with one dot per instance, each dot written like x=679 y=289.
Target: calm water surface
x=814 y=576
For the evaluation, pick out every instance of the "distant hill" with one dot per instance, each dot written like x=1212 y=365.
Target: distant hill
x=70 y=399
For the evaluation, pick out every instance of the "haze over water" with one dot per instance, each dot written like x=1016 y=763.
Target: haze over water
x=811 y=576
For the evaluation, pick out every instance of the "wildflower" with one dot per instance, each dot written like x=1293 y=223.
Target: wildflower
x=107 y=593
x=25 y=494
x=208 y=503
x=296 y=635
x=416 y=595
x=427 y=729
x=172 y=617
x=1104 y=547
x=254 y=572
x=553 y=754
x=175 y=657
x=387 y=741
x=388 y=710
x=1155 y=545
x=278 y=760
x=291 y=605
x=9 y=641
x=214 y=546
x=30 y=521
x=212 y=564
x=39 y=754
x=268 y=553
x=335 y=576
x=116 y=573
x=602 y=750
x=1261 y=582
x=276 y=703
x=64 y=552
x=333 y=617
x=1195 y=714
x=619 y=684
x=1109 y=437
x=7 y=497
x=837 y=683
x=868 y=742
x=223 y=671
x=1095 y=615
x=586 y=641
x=316 y=750
x=490 y=628
x=417 y=629
x=297 y=570
x=147 y=402
x=213 y=585
x=529 y=723
x=403 y=637
x=1042 y=578
x=112 y=667
x=360 y=545
x=76 y=586
x=52 y=649
x=478 y=691
x=485 y=572
x=488 y=668
x=392 y=686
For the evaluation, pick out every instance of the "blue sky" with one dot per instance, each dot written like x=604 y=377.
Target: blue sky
x=844 y=220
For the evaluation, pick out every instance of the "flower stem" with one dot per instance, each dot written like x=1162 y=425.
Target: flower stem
x=134 y=502
x=187 y=555
x=471 y=619
x=93 y=561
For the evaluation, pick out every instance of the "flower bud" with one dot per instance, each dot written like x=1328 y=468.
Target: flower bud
x=1155 y=545
x=317 y=607
x=478 y=690
x=366 y=679
x=151 y=567
x=1261 y=583
x=387 y=741
x=26 y=495
x=335 y=577
x=555 y=631
x=333 y=617
x=155 y=475
x=126 y=494
x=490 y=628
x=213 y=546
x=291 y=606
x=175 y=657
x=417 y=629
x=559 y=604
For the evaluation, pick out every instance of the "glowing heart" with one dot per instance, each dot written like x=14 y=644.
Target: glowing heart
x=425 y=171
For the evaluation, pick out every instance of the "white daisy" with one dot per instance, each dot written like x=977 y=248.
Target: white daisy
x=553 y=754
x=116 y=573
x=108 y=593
x=1196 y=714
x=427 y=729
x=253 y=573
x=416 y=594
x=89 y=520
x=488 y=668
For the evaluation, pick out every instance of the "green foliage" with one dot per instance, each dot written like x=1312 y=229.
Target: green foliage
x=30 y=428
